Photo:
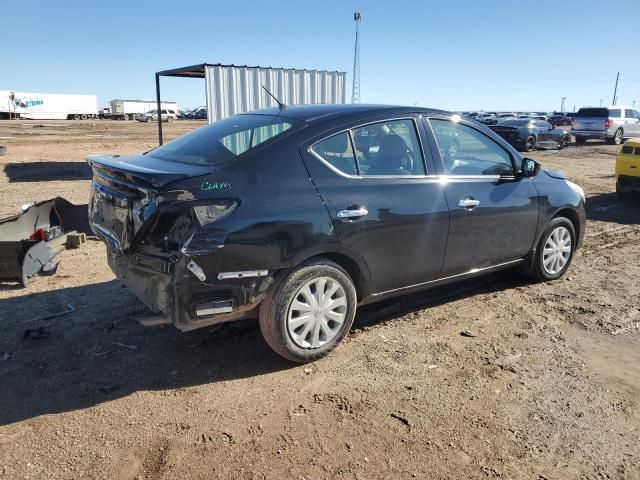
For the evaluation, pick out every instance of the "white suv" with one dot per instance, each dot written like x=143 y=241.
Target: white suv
x=152 y=116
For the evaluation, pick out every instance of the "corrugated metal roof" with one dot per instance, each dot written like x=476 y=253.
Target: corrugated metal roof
x=198 y=71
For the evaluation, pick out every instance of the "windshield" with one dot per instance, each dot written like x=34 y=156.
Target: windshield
x=224 y=140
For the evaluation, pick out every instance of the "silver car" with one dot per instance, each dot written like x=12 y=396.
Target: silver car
x=613 y=124
x=152 y=116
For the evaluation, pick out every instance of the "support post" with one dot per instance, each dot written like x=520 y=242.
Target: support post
x=158 y=109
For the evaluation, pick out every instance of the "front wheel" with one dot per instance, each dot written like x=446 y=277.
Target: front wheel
x=309 y=312
x=555 y=250
x=149 y=119
x=566 y=141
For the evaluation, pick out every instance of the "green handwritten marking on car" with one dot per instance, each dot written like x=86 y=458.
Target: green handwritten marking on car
x=206 y=186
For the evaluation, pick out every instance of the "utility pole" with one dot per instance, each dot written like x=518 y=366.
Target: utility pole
x=615 y=90
x=355 y=87
x=562 y=104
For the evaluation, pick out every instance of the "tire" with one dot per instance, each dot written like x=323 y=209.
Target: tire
x=566 y=141
x=76 y=117
x=169 y=119
x=557 y=226
x=83 y=117
x=530 y=144
x=617 y=137
x=308 y=341
x=581 y=140
x=149 y=119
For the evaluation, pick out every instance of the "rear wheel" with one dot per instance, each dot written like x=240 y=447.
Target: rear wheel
x=617 y=137
x=309 y=312
x=169 y=119
x=149 y=119
x=530 y=144
x=566 y=141
x=76 y=117
x=555 y=250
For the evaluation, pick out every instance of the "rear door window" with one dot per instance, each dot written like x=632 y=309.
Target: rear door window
x=338 y=153
x=615 y=112
x=388 y=148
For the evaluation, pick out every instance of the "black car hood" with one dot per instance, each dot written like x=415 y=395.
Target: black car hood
x=146 y=169
x=555 y=175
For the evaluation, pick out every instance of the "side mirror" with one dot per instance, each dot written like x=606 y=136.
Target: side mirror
x=530 y=168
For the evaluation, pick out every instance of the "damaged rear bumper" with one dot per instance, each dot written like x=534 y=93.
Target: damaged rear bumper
x=189 y=296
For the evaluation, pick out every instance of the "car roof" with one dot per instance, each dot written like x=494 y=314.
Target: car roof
x=310 y=113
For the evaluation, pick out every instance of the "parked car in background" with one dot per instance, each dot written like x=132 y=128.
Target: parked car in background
x=529 y=134
x=612 y=124
x=152 y=116
x=628 y=168
x=354 y=204
x=499 y=118
x=560 y=120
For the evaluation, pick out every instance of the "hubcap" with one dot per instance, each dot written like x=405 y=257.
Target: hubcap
x=557 y=250
x=317 y=312
x=530 y=144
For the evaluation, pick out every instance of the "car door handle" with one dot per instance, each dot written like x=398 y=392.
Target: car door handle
x=468 y=203
x=353 y=213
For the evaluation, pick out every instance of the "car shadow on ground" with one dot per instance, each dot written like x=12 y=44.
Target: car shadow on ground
x=609 y=207
x=47 y=171
x=99 y=353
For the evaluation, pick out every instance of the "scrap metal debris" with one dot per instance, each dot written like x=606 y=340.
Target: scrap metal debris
x=30 y=241
x=133 y=348
x=467 y=333
x=70 y=309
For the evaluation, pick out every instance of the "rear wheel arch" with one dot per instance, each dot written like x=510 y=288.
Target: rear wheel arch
x=356 y=271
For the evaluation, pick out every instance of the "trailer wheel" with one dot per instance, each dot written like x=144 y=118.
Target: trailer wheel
x=76 y=117
x=83 y=117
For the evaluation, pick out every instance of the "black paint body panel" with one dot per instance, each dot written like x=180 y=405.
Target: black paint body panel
x=287 y=203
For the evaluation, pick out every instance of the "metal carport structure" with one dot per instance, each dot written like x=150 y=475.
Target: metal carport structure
x=232 y=89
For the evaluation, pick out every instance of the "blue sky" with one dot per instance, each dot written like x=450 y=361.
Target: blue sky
x=454 y=54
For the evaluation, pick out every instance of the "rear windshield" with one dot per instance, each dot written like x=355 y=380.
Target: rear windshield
x=224 y=140
x=592 y=112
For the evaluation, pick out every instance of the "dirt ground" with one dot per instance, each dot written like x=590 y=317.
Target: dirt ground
x=549 y=388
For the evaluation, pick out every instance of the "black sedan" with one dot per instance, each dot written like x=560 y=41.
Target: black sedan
x=295 y=216
x=529 y=134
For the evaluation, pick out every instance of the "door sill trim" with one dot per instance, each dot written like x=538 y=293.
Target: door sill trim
x=459 y=275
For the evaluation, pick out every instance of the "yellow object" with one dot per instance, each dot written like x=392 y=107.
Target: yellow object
x=628 y=167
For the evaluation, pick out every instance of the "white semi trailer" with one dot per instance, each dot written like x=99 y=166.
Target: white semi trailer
x=128 y=109
x=47 y=106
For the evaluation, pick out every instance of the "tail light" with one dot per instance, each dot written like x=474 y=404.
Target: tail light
x=608 y=123
x=215 y=211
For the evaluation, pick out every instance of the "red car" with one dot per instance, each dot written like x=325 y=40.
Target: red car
x=560 y=121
